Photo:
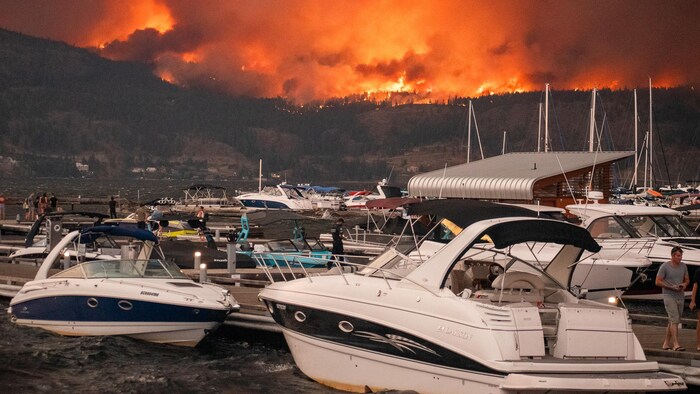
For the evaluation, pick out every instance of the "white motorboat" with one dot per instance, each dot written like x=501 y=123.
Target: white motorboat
x=603 y=276
x=435 y=328
x=212 y=198
x=135 y=296
x=281 y=196
x=358 y=199
x=49 y=229
x=649 y=231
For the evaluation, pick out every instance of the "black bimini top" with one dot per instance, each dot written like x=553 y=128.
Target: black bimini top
x=466 y=212
x=510 y=233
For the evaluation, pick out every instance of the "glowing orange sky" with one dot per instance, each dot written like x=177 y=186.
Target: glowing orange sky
x=307 y=50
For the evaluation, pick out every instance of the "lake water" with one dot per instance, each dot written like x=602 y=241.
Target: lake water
x=228 y=361
x=133 y=189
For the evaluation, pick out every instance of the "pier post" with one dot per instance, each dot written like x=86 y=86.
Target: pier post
x=231 y=257
x=231 y=262
x=66 y=260
x=197 y=259
x=202 y=273
x=217 y=234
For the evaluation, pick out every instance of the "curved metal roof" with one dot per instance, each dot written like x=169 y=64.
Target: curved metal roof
x=509 y=177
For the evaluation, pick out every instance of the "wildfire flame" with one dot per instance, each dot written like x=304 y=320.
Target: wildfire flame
x=306 y=51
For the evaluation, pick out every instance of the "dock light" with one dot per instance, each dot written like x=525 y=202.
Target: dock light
x=197 y=259
x=202 y=273
x=66 y=259
x=612 y=300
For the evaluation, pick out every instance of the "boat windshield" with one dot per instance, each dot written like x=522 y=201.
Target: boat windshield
x=124 y=269
x=659 y=225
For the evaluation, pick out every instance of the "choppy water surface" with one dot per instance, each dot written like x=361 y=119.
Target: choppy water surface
x=34 y=360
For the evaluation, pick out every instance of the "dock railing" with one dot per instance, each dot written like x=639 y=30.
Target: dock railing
x=290 y=267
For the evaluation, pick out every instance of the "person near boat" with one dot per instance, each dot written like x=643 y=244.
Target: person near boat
x=673 y=279
x=112 y=208
x=337 y=234
x=53 y=203
x=141 y=215
x=43 y=204
x=694 y=302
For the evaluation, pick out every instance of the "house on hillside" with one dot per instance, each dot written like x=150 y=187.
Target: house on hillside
x=550 y=178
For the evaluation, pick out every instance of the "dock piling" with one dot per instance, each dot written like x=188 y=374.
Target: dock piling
x=202 y=273
x=197 y=260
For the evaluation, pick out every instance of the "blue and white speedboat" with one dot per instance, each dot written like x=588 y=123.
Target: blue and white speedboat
x=135 y=296
x=282 y=196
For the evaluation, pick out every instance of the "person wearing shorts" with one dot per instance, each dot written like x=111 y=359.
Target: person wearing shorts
x=673 y=279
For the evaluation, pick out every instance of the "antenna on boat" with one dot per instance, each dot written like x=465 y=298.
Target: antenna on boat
x=260 y=177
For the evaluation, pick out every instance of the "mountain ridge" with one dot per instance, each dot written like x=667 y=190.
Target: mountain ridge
x=61 y=104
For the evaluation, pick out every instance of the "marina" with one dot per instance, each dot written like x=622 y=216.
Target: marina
x=254 y=317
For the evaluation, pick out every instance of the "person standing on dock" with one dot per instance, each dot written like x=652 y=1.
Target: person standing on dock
x=202 y=216
x=673 y=279
x=25 y=206
x=2 y=206
x=43 y=204
x=141 y=215
x=33 y=202
x=694 y=303
x=112 y=208
x=53 y=202
x=337 y=234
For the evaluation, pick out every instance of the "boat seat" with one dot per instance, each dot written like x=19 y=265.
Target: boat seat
x=517 y=286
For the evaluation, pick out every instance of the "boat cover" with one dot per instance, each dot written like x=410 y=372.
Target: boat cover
x=466 y=212
x=510 y=233
x=91 y=234
x=391 y=202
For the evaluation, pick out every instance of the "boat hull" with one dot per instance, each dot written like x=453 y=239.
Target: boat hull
x=179 y=334
x=81 y=315
x=334 y=343
x=351 y=369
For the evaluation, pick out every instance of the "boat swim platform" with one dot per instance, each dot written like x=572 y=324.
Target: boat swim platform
x=253 y=315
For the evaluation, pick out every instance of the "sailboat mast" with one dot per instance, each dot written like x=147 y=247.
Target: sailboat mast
x=539 y=127
x=651 y=142
x=591 y=130
x=546 y=117
x=260 y=177
x=636 y=148
x=503 y=149
x=469 y=131
x=646 y=158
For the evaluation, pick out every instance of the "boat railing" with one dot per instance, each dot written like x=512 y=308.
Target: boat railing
x=357 y=237
x=291 y=267
x=121 y=269
x=642 y=246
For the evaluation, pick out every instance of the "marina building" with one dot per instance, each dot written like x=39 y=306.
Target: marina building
x=548 y=178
